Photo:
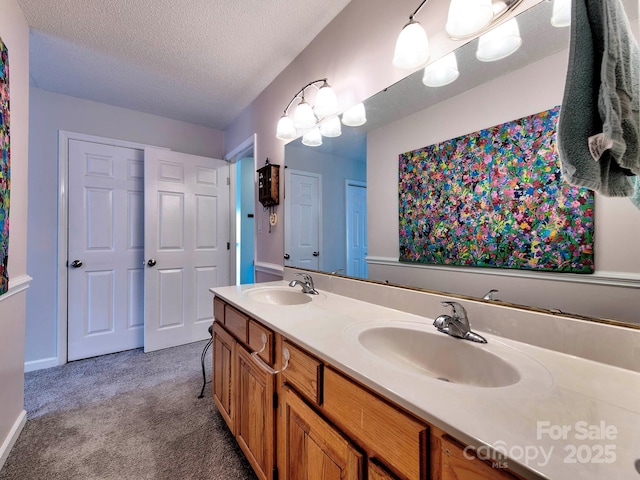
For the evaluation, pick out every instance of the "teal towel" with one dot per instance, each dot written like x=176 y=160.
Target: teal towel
x=580 y=117
x=635 y=197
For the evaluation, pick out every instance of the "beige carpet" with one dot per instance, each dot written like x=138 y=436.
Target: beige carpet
x=128 y=415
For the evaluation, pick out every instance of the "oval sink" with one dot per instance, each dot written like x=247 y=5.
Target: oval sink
x=278 y=296
x=439 y=356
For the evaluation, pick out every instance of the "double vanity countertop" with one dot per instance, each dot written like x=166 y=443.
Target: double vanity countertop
x=554 y=415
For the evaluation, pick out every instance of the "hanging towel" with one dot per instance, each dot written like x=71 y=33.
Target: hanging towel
x=594 y=48
x=635 y=196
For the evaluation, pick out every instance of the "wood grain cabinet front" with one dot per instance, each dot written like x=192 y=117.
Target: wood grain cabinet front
x=459 y=463
x=255 y=431
x=224 y=353
x=313 y=448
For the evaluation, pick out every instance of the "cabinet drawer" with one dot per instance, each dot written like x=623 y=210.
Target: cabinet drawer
x=383 y=430
x=304 y=373
x=218 y=310
x=236 y=323
x=255 y=341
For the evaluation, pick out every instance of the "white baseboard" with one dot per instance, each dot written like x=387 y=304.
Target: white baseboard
x=40 y=364
x=10 y=441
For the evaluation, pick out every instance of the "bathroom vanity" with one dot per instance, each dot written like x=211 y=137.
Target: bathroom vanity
x=355 y=389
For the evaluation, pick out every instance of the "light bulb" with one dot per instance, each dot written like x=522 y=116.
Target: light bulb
x=331 y=127
x=500 y=42
x=355 y=116
x=326 y=102
x=412 y=47
x=313 y=138
x=304 y=118
x=467 y=18
x=441 y=72
x=286 y=129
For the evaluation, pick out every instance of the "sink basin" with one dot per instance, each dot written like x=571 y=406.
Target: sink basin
x=439 y=356
x=278 y=296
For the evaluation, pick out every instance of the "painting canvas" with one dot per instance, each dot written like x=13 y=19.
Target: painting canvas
x=495 y=198
x=5 y=180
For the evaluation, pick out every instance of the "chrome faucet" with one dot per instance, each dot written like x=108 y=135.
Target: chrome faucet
x=457 y=325
x=489 y=295
x=306 y=283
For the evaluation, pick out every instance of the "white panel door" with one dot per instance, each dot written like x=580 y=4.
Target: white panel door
x=302 y=219
x=356 y=215
x=186 y=250
x=106 y=248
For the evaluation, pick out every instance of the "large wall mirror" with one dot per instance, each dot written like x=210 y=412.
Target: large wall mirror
x=341 y=204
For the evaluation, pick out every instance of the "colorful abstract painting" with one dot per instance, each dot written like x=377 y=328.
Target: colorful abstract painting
x=495 y=198
x=5 y=178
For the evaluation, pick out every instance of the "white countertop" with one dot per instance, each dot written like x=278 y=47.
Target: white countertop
x=567 y=417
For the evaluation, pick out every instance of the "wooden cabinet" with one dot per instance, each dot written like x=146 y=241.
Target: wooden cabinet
x=312 y=422
x=224 y=352
x=387 y=434
x=255 y=415
x=242 y=390
x=460 y=465
x=313 y=448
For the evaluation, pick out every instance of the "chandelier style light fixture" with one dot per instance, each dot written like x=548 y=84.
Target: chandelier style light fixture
x=466 y=19
x=320 y=120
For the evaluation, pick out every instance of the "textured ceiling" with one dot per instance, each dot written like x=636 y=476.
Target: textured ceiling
x=199 y=61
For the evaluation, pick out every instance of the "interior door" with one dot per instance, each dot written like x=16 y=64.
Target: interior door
x=105 y=250
x=302 y=219
x=356 y=215
x=186 y=217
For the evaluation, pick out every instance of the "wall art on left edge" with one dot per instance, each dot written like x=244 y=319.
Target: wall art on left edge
x=5 y=168
x=495 y=198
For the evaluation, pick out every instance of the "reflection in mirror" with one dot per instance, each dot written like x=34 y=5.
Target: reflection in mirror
x=408 y=115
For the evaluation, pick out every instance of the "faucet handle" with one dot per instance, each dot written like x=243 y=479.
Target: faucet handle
x=459 y=313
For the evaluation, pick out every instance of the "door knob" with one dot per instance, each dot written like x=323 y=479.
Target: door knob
x=76 y=263
x=151 y=262
x=287 y=256
x=316 y=254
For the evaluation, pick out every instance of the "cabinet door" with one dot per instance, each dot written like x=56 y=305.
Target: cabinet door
x=378 y=472
x=314 y=449
x=456 y=465
x=255 y=414
x=224 y=348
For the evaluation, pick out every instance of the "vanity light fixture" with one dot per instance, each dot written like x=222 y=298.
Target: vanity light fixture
x=412 y=45
x=441 y=72
x=500 y=42
x=322 y=119
x=305 y=116
x=561 y=13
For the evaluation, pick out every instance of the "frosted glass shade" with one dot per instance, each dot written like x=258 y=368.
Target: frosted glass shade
x=326 y=102
x=412 y=47
x=313 y=138
x=285 y=129
x=355 y=116
x=468 y=17
x=500 y=42
x=441 y=72
x=304 y=117
x=561 y=13
x=331 y=127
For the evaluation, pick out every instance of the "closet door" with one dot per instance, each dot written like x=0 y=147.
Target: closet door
x=186 y=244
x=106 y=248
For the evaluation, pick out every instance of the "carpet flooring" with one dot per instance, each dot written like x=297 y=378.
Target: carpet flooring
x=128 y=415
